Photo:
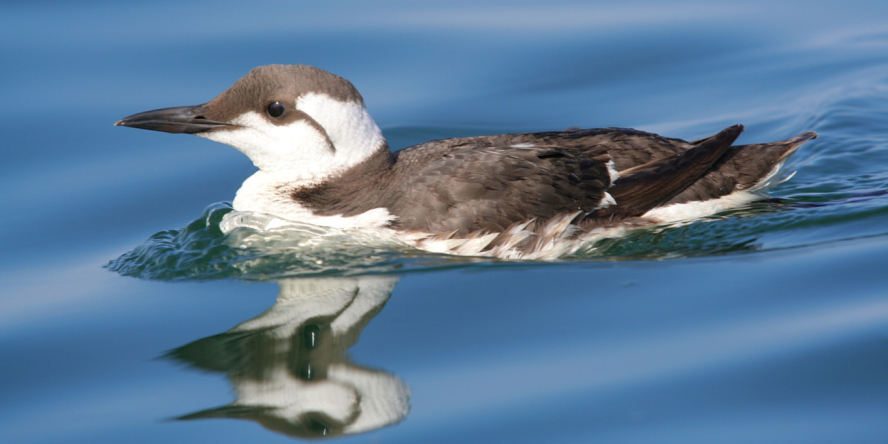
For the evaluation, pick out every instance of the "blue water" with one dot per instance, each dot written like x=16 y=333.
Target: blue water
x=124 y=308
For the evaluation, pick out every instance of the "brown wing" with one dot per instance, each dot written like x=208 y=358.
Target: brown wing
x=488 y=189
x=489 y=183
x=644 y=187
x=486 y=184
x=742 y=167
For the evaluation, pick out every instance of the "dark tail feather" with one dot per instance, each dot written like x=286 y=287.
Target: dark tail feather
x=647 y=186
x=757 y=166
x=788 y=148
x=797 y=141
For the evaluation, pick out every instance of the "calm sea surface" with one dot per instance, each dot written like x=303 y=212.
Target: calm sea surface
x=126 y=316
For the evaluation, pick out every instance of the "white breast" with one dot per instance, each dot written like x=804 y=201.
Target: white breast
x=263 y=193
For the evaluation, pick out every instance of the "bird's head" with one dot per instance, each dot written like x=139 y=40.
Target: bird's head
x=295 y=122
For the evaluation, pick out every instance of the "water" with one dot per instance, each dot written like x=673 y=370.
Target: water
x=764 y=324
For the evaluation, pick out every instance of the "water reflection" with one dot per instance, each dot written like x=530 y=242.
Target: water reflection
x=288 y=366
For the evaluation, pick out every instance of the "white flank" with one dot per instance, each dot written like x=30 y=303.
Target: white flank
x=694 y=210
x=544 y=248
x=606 y=201
x=556 y=239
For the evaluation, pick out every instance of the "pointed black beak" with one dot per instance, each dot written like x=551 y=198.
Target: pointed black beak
x=181 y=119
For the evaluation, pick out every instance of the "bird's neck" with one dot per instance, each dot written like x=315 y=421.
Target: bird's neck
x=331 y=137
x=354 y=190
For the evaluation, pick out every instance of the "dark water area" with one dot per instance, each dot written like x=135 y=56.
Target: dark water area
x=127 y=316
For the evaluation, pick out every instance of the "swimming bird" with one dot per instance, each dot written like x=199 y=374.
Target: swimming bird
x=323 y=160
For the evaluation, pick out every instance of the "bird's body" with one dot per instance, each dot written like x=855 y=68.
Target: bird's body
x=322 y=160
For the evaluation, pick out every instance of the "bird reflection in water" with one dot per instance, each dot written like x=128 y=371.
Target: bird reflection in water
x=288 y=366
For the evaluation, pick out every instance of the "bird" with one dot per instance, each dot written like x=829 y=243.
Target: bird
x=323 y=160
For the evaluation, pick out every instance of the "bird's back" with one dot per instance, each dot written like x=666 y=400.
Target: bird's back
x=558 y=183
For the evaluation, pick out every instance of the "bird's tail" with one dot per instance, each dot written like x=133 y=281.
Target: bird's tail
x=647 y=186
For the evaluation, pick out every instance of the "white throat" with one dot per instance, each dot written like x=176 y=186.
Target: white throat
x=298 y=153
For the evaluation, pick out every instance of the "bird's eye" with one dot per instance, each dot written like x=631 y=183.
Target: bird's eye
x=276 y=109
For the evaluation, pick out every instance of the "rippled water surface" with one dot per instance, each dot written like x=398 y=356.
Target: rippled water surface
x=127 y=316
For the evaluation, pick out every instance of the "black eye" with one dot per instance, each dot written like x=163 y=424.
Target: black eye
x=276 y=109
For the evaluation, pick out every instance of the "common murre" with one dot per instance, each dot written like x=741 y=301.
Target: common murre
x=323 y=160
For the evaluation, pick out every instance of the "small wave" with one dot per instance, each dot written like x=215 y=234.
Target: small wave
x=223 y=243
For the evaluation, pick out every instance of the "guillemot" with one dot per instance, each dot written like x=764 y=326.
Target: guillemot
x=289 y=366
x=324 y=161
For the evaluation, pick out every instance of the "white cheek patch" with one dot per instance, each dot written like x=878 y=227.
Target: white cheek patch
x=348 y=124
x=298 y=152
